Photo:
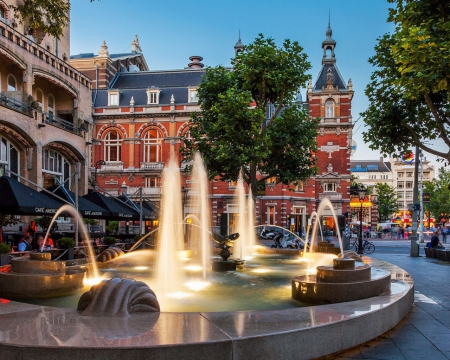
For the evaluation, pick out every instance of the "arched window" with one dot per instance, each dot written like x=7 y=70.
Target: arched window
x=113 y=144
x=40 y=98
x=55 y=168
x=51 y=106
x=152 y=146
x=2 y=13
x=9 y=158
x=12 y=84
x=329 y=109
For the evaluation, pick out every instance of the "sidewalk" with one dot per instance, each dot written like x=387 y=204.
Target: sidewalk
x=425 y=332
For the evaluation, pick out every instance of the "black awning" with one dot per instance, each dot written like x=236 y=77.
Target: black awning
x=86 y=208
x=19 y=199
x=118 y=210
x=149 y=211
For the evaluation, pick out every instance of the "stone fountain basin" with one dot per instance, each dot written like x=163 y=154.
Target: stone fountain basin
x=39 y=332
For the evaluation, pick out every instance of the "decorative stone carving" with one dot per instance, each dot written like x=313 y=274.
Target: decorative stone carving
x=118 y=298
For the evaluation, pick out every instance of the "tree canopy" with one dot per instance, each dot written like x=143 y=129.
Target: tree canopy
x=250 y=120
x=410 y=87
x=52 y=16
x=439 y=205
x=387 y=201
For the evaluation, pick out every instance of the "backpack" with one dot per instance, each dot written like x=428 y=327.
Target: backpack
x=429 y=244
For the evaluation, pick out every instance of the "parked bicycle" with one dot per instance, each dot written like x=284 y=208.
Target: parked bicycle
x=368 y=247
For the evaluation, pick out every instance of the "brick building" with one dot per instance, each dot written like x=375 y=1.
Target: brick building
x=45 y=106
x=140 y=117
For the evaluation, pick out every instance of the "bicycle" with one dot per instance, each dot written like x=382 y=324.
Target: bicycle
x=368 y=247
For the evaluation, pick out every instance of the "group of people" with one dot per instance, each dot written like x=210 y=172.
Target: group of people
x=33 y=242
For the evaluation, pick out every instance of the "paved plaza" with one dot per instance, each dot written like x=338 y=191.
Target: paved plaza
x=425 y=332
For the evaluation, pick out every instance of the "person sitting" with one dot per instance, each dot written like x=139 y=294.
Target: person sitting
x=435 y=243
x=34 y=243
x=25 y=244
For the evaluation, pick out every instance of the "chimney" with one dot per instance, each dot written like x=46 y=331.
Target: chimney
x=195 y=62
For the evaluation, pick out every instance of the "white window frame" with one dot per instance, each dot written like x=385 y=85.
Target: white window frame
x=5 y=157
x=113 y=143
x=193 y=95
x=329 y=108
x=329 y=187
x=152 y=146
x=153 y=96
x=113 y=98
x=152 y=182
x=53 y=163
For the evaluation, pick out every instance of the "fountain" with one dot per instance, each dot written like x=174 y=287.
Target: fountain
x=226 y=322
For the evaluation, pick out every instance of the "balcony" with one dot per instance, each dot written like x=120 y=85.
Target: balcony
x=330 y=196
x=11 y=36
x=145 y=190
x=152 y=166
x=16 y=105
x=112 y=165
x=12 y=103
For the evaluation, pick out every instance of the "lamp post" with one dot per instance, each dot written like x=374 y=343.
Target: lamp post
x=100 y=162
x=361 y=195
x=421 y=199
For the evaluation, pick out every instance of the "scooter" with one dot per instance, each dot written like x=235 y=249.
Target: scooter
x=266 y=234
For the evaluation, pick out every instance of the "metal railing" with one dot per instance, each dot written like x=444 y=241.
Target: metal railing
x=46 y=118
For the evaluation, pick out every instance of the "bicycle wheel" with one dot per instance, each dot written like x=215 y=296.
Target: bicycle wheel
x=369 y=248
x=352 y=246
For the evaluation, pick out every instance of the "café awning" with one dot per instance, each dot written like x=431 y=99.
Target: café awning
x=149 y=211
x=117 y=209
x=86 y=208
x=19 y=199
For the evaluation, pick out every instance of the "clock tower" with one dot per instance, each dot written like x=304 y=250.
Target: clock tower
x=330 y=99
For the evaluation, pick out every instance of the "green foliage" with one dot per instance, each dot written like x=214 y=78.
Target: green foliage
x=109 y=240
x=439 y=204
x=387 y=198
x=66 y=242
x=230 y=135
x=6 y=220
x=44 y=223
x=90 y=222
x=112 y=225
x=5 y=248
x=137 y=238
x=410 y=87
x=51 y=16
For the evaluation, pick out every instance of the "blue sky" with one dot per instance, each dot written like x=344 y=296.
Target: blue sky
x=173 y=30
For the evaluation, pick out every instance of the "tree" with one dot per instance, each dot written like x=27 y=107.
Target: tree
x=6 y=220
x=387 y=198
x=232 y=135
x=52 y=16
x=409 y=91
x=439 y=205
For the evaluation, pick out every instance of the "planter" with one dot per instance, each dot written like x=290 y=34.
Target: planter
x=69 y=255
x=4 y=259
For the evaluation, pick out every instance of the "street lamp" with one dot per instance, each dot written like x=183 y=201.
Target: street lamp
x=100 y=162
x=361 y=195
x=421 y=199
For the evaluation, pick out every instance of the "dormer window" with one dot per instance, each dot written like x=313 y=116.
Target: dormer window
x=193 y=96
x=153 y=96
x=113 y=98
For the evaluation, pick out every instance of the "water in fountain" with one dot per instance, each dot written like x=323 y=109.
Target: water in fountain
x=72 y=211
x=200 y=235
x=169 y=275
x=245 y=222
x=315 y=215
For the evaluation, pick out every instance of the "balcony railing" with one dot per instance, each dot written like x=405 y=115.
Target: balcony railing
x=330 y=196
x=145 y=190
x=152 y=165
x=39 y=52
x=12 y=103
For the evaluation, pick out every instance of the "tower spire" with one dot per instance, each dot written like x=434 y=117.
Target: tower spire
x=239 y=47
